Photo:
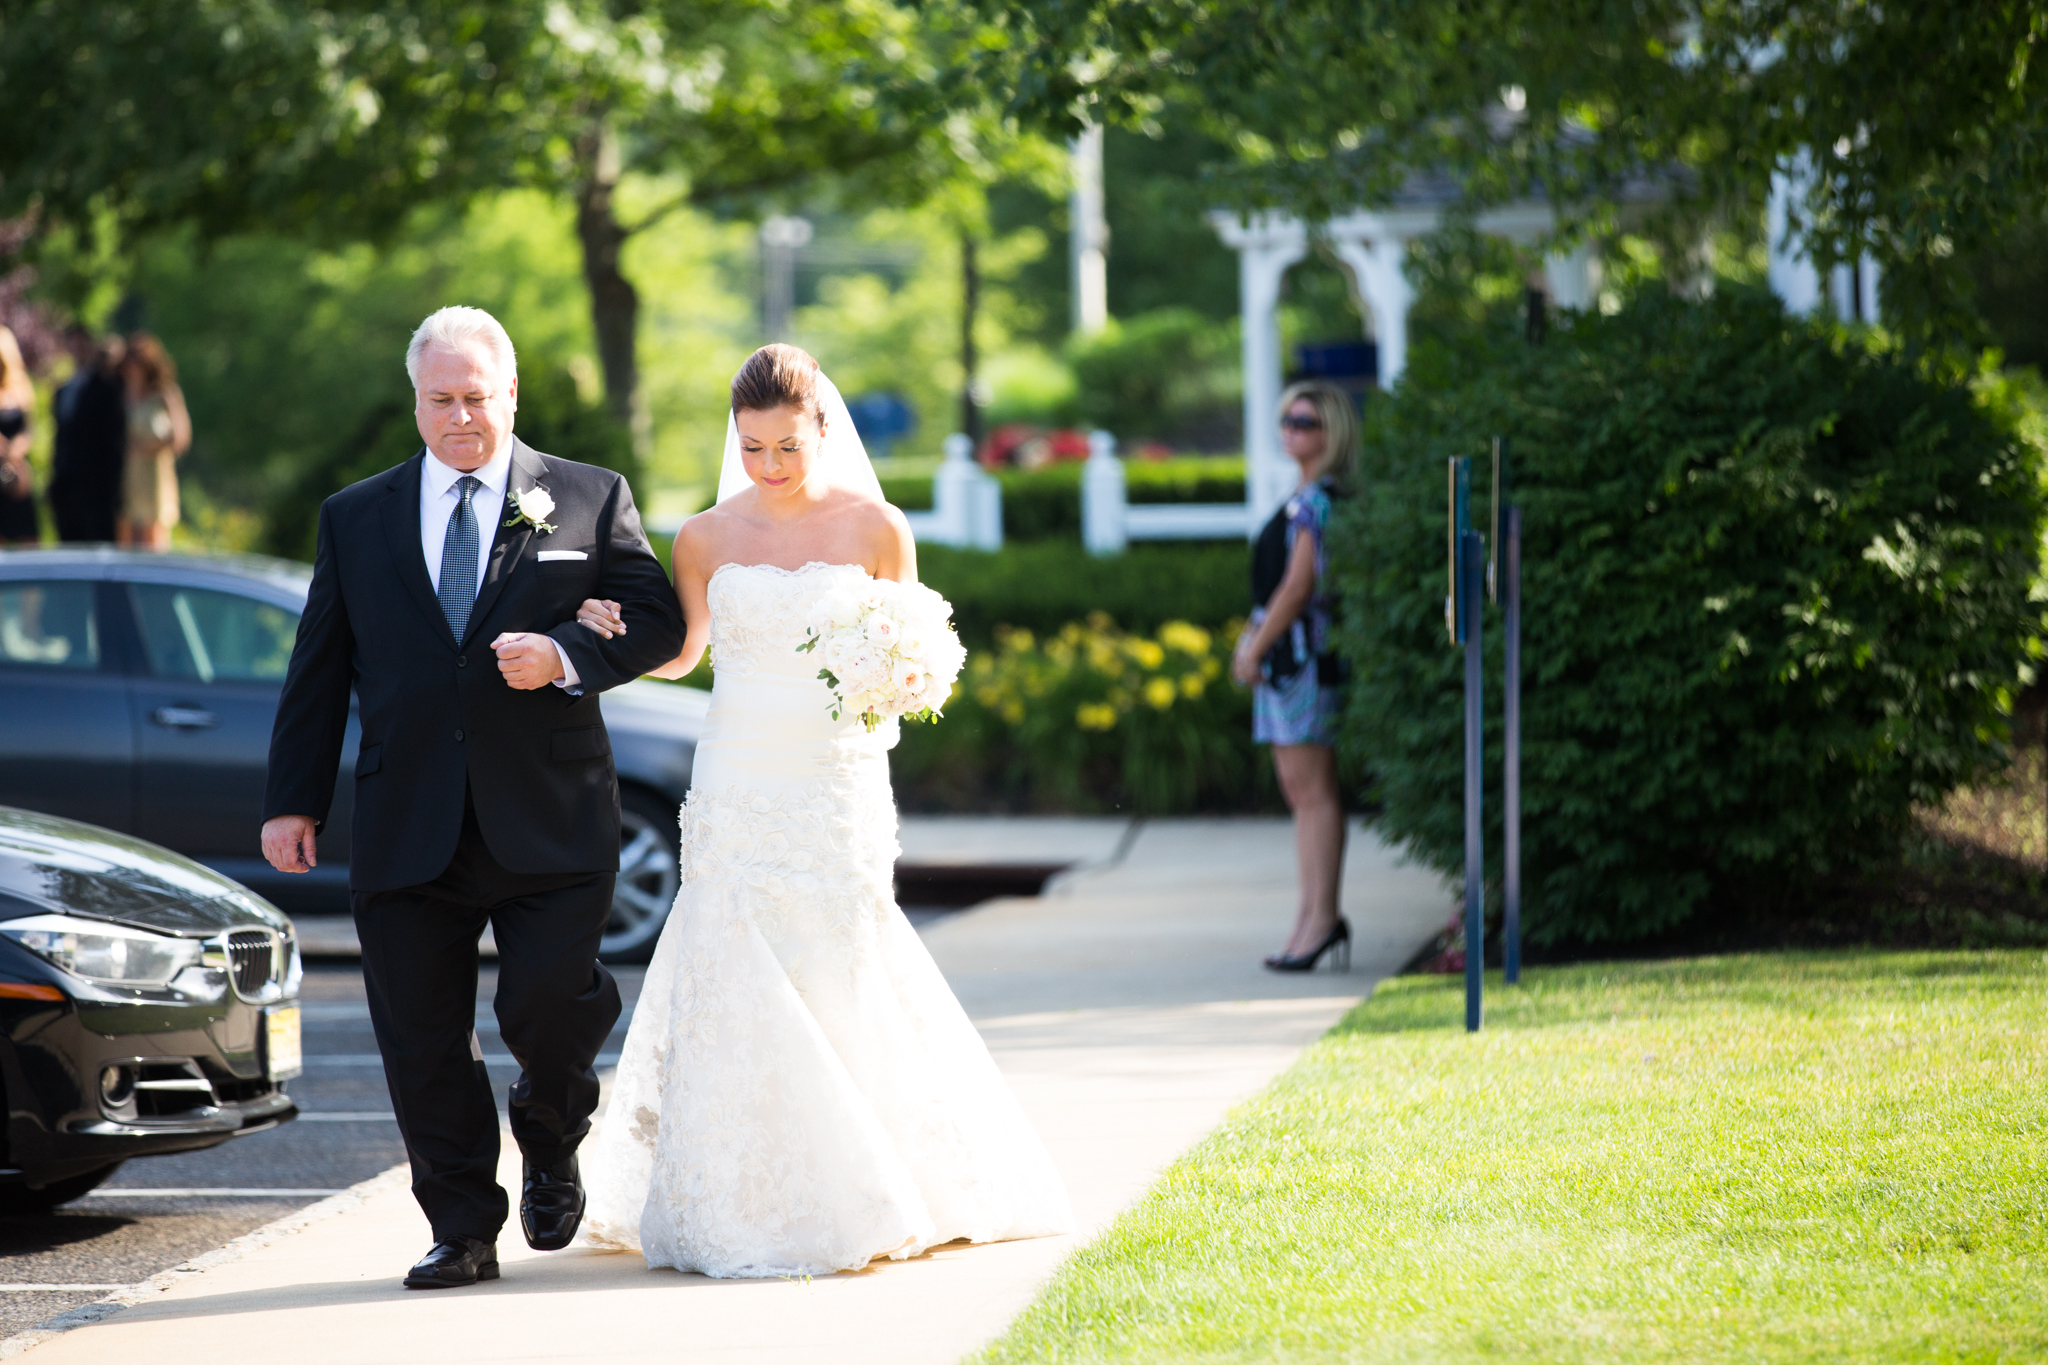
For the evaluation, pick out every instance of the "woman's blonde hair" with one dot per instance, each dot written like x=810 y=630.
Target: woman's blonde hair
x=1340 y=427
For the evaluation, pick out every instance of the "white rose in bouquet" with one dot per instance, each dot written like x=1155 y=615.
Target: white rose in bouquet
x=888 y=651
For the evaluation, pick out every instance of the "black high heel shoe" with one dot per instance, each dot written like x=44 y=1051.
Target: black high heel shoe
x=1338 y=945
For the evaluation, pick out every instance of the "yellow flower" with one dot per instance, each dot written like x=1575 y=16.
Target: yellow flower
x=1159 y=693
x=1191 y=684
x=1184 y=637
x=1095 y=715
x=1147 y=654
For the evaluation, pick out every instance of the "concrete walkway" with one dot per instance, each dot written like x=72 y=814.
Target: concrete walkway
x=1127 y=1007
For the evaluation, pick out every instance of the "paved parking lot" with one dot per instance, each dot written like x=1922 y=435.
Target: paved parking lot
x=144 y=1221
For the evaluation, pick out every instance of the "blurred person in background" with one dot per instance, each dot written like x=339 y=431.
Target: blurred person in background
x=18 y=524
x=1286 y=656
x=159 y=431
x=92 y=440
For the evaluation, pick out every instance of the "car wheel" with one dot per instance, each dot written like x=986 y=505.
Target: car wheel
x=18 y=1200
x=649 y=873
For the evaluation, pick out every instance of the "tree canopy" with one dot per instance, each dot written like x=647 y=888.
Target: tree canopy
x=1925 y=126
x=336 y=120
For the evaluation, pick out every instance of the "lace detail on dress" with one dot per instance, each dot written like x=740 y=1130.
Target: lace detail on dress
x=799 y=1091
x=757 y=609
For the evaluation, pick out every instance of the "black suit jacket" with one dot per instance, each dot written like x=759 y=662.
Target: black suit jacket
x=88 y=458
x=436 y=713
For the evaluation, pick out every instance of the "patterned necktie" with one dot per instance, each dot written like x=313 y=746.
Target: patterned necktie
x=458 y=559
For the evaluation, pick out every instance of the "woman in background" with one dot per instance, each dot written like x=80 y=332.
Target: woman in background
x=18 y=522
x=159 y=431
x=1285 y=654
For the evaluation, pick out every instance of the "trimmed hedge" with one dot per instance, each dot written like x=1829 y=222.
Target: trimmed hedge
x=1044 y=585
x=1776 y=594
x=1045 y=504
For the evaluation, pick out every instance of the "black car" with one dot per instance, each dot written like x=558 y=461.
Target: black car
x=147 y=1005
x=137 y=691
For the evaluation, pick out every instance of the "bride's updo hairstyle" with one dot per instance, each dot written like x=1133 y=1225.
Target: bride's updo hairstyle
x=779 y=376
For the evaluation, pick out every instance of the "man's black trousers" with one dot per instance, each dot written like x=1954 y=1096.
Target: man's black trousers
x=556 y=1005
x=84 y=517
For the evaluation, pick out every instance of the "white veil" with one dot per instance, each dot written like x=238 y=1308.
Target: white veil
x=842 y=459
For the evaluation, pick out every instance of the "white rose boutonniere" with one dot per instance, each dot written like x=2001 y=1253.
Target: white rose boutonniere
x=533 y=506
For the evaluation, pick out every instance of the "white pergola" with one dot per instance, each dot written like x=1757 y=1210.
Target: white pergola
x=1373 y=247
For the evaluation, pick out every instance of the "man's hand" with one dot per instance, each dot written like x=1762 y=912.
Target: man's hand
x=288 y=843
x=527 y=660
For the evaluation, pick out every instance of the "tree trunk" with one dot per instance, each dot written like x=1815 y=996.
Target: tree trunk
x=970 y=305
x=614 y=303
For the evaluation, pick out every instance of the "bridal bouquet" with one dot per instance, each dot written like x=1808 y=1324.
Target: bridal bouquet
x=889 y=650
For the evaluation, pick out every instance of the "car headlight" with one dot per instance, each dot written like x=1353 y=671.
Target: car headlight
x=109 y=953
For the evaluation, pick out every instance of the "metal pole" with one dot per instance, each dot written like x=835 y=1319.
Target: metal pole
x=1511 y=763
x=1472 y=571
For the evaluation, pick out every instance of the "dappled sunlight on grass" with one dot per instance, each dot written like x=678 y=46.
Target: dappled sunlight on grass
x=1824 y=1156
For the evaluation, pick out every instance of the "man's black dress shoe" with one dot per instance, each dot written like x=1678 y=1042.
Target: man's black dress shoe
x=551 y=1205
x=453 y=1263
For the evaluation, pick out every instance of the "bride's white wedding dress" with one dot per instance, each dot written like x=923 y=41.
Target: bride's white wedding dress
x=799 y=1092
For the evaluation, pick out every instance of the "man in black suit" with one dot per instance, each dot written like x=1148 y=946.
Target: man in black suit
x=92 y=442
x=445 y=591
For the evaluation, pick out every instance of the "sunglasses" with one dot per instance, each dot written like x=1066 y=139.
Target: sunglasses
x=1293 y=423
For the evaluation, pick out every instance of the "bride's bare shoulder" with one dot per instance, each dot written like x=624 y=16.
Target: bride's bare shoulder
x=703 y=539
x=884 y=535
x=874 y=521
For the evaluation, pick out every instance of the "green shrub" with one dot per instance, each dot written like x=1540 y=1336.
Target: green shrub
x=1169 y=375
x=1777 y=593
x=1042 y=504
x=1045 y=504
x=1091 y=720
x=1046 y=584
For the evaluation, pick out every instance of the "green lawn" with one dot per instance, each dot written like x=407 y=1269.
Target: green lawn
x=1763 y=1158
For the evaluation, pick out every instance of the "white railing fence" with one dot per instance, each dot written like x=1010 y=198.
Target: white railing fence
x=1110 y=521
x=967 y=504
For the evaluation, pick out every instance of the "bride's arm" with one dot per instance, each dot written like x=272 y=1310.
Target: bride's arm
x=691 y=553
x=893 y=548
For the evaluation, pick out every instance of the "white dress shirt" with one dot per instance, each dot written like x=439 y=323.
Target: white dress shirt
x=438 y=499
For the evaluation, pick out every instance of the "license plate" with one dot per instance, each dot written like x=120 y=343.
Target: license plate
x=281 y=1025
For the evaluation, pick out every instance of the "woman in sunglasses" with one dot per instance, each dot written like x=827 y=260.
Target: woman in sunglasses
x=1285 y=656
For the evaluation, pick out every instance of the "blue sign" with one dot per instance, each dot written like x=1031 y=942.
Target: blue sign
x=881 y=419
x=1339 y=360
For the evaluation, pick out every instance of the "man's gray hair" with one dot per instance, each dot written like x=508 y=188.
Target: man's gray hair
x=457 y=328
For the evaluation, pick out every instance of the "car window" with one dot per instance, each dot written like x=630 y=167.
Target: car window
x=212 y=636
x=49 y=625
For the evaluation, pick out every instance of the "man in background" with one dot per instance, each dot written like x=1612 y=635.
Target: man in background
x=92 y=441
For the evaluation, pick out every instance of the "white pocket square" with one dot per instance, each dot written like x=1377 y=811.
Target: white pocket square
x=546 y=555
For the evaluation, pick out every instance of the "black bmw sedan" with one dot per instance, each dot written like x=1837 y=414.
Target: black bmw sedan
x=147 y=1005
x=137 y=692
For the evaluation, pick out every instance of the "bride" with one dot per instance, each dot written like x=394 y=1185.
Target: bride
x=799 y=1092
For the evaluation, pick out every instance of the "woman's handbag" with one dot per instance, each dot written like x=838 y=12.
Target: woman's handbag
x=1269 y=565
x=1291 y=652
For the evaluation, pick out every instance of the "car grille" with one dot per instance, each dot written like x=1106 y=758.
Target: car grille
x=168 y=1090
x=256 y=959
